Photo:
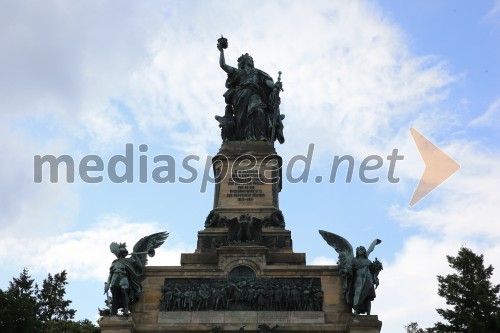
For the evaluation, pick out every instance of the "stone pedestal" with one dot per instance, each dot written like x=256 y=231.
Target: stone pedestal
x=244 y=270
x=117 y=324
x=364 y=324
x=248 y=179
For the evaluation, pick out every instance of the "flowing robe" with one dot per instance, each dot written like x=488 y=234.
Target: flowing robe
x=248 y=94
x=363 y=285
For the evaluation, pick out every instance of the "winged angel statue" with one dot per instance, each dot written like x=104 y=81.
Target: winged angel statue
x=125 y=271
x=360 y=274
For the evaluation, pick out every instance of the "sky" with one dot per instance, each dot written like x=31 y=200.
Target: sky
x=87 y=78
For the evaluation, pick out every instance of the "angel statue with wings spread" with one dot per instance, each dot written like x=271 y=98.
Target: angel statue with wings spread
x=125 y=271
x=360 y=274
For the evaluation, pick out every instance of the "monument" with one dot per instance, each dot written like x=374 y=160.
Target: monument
x=244 y=275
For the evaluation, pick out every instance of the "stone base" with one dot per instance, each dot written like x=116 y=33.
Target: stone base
x=249 y=318
x=364 y=324
x=235 y=328
x=231 y=253
x=275 y=239
x=117 y=324
x=334 y=315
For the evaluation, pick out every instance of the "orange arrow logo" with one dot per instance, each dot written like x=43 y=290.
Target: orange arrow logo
x=438 y=166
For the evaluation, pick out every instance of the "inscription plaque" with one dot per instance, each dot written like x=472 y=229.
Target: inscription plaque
x=246 y=181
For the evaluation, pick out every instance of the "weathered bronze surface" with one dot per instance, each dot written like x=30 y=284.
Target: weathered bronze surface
x=252 y=112
x=360 y=274
x=125 y=274
x=242 y=292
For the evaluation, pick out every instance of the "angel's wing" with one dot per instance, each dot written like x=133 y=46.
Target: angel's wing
x=150 y=243
x=340 y=244
x=343 y=248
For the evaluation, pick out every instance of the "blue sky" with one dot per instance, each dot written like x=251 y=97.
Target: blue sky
x=87 y=78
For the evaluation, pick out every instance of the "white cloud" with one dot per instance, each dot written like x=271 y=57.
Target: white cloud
x=408 y=286
x=66 y=61
x=153 y=67
x=323 y=261
x=462 y=212
x=85 y=254
x=490 y=118
x=465 y=206
x=347 y=73
x=494 y=11
x=27 y=207
x=106 y=127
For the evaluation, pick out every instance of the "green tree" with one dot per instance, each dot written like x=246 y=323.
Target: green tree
x=24 y=308
x=414 y=328
x=24 y=285
x=18 y=305
x=17 y=314
x=474 y=301
x=51 y=302
x=82 y=326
